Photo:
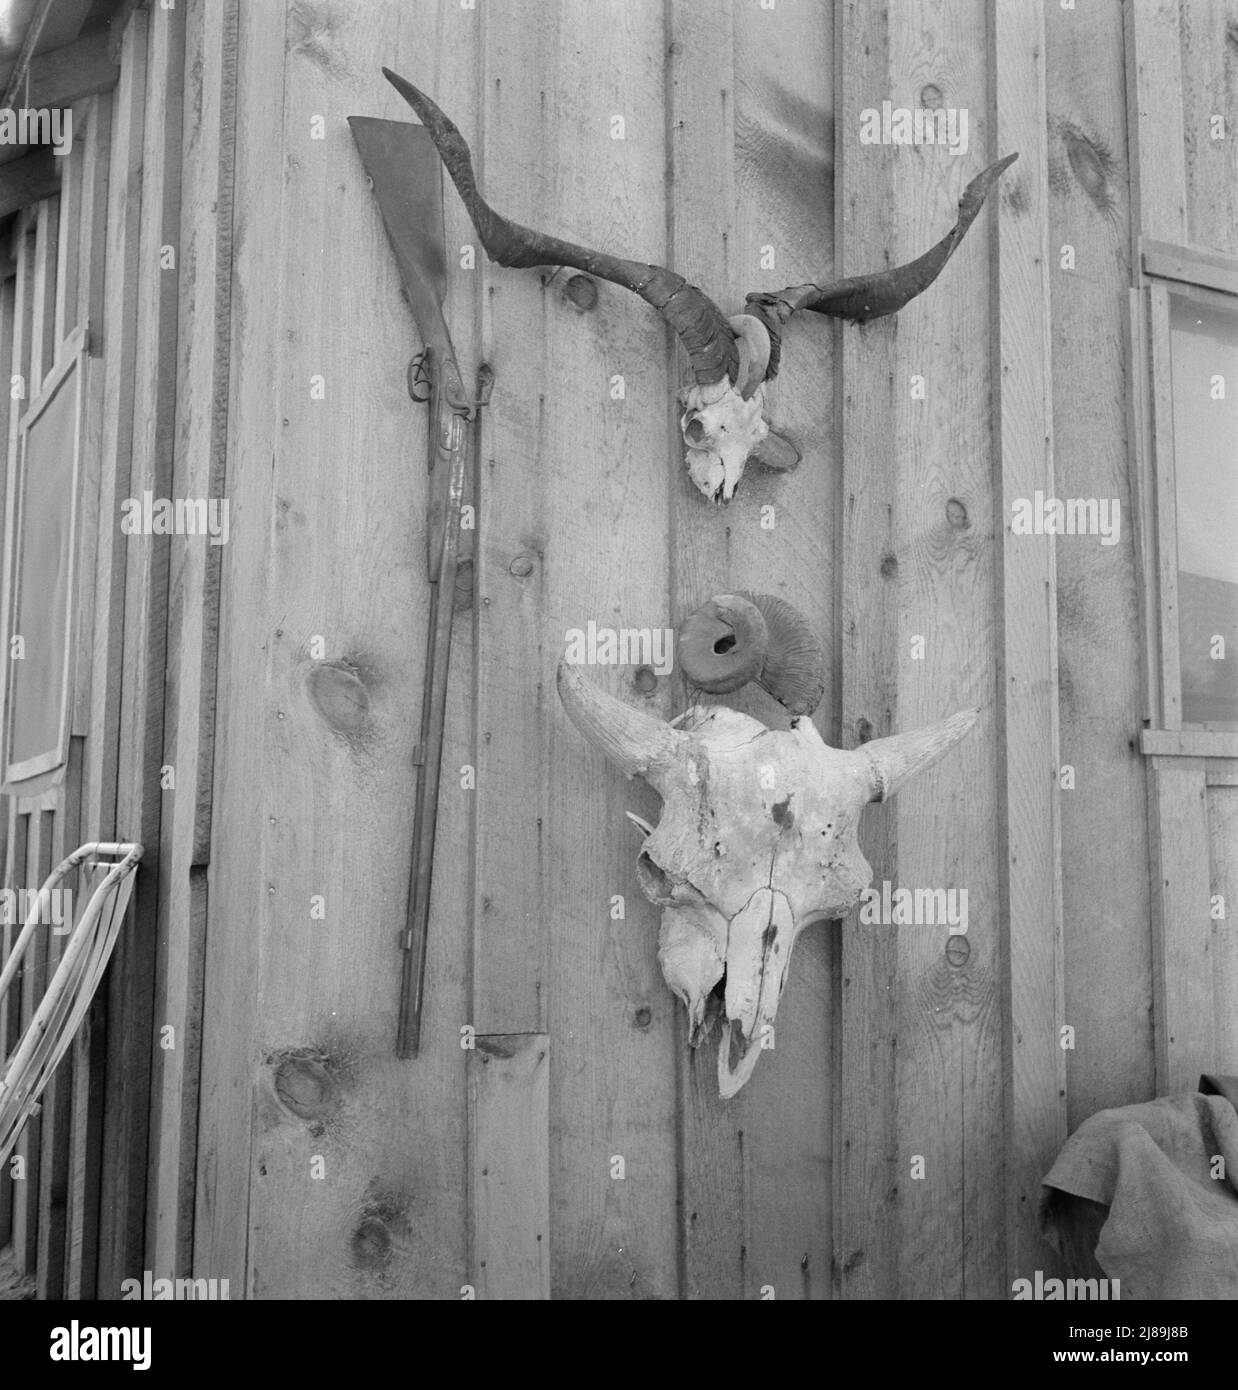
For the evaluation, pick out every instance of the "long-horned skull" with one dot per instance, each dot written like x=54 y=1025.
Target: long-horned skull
x=723 y=421
x=756 y=841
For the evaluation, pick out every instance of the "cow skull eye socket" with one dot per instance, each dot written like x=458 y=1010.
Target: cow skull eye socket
x=694 y=430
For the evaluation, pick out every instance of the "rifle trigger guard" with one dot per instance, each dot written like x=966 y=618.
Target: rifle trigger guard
x=420 y=379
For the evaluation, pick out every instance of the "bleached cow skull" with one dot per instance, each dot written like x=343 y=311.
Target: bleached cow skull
x=756 y=841
x=723 y=419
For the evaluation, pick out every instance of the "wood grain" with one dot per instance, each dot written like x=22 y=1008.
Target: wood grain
x=343 y=477
x=741 y=135
x=1165 y=502
x=55 y=241
x=203 y=248
x=750 y=136
x=8 y=296
x=139 y=805
x=576 y=481
x=1030 y=848
x=43 y=315
x=112 y=314
x=237 y=924
x=114 y=339
x=33 y=983
x=1210 y=152
x=1097 y=604
x=509 y=1148
x=23 y=293
x=87 y=232
x=1155 y=121
x=1222 y=809
x=1184 y=989
x=921 y=1037
x=24 y=1193
x=55 y=1177
x=12 y=1190
x=67 y=251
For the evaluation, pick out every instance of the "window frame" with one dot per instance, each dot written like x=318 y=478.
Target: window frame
x=1207 y=277
x=71 y=359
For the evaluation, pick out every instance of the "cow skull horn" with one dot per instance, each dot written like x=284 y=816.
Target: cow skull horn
x=895 y=760
x=635 y=742
x=756 y=841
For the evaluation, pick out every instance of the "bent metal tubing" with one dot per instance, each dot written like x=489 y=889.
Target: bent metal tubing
x=71 y=990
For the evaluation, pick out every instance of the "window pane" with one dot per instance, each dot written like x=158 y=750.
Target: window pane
x=1205 y=399
x=43 y=567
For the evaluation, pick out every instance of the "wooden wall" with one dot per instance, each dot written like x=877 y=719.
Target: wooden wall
x=54 y=266
x=279 y=1143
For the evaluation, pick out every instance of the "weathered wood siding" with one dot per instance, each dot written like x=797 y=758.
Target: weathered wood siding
x=892 y=528
x=892 y=1143
x=54 y=260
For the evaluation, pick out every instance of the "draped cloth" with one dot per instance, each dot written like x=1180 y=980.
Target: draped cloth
x=1160 y=1182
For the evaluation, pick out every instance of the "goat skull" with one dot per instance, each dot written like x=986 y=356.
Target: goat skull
x=756 y=841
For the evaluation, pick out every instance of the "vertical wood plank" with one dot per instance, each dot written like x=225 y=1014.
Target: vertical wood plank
x=10 y=1006
x=575 y=480
x=138 y=798
x=63 y=814
x=330 y=739
x=1166 y=503
x=750 y=127
x=1209 y=29
x=1154 y=121
x=72 y=166
x=1030 y=863
x=10 y=346
x=43 y=308
x=865 y=1264
x=457 y=66
x=509 y=1148
x=8 y=301
x=88 y=237
x=1222 y=804
x=204 y=251
x=236 y=923
x=19 y=366
x=921 y=1036
x=115 y=337
x=1104 y=667
x=33 y=982
x=1184 y=990
x=1143 y=499
x=94 y=693
x=92 y=246
x=701 y=136
x=85 y=1154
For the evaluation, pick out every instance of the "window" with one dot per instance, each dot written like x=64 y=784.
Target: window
x=1189 y=490
x=1203 y=350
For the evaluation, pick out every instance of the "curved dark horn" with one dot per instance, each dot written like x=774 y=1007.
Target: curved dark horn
x=701 y=325
x=794 y=670
x=722 y=645
x=862 y=297
x=735 y=638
